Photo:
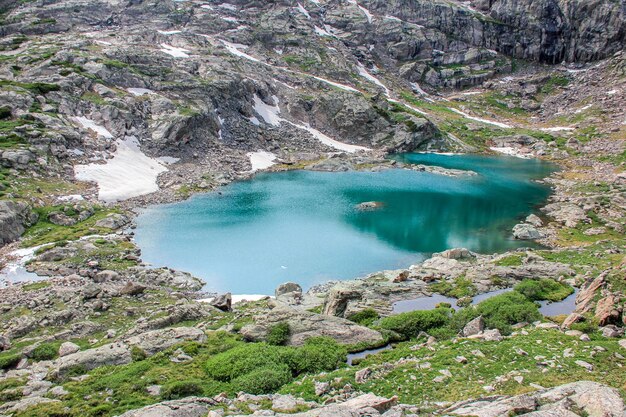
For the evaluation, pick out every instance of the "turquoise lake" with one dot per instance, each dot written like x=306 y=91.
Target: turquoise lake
x=303 y=226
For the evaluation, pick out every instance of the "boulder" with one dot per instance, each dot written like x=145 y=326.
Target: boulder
x=113 y=221
x=157 y=340
x=337 y=301
x=15 y=216
x=525 y=231
x=109 y=354
x=608 y=311
x=67 y=348
x=132 y=289
x=534 y=220
x=223 y=302
x=457 y=253
x=286 y=288
x=187 y=407
x=591 y=398
x=473 y=327
x=305 y=324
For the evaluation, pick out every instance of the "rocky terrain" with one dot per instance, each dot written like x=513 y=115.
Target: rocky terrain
x=107 y=106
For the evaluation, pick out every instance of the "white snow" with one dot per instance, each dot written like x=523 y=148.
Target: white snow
x=478 y=119
x=235 y=49
x=302 y=10
x=206 y=7
x=169 y=32
x=103 y=42
x=393 y=18
x=91 y=125
x=612 y=92
x=341 y=86
x=139 y=91
x=582 y=109
x=268 y=113
x=363 y=73
x=471 y=93
x=367 y=13
x=326 y=140
x=322 y=32
x=72 y=197
x=229 y=19
x=236 y=298
x=415 y=109
x=129 y=173
x=174 y=51
x=557 y=129
x=507 y=150
x=255 y=121
x=261 y=160
x=228 y=6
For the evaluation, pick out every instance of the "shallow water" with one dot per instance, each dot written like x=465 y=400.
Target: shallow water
x=303 y=226
x=565 y=306
x=364 y=354
x=429 y=303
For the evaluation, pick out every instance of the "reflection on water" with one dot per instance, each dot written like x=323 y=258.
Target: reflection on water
x=565 y=306
x=302 y=226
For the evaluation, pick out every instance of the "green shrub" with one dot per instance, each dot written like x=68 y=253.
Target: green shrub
x=137 y=354
x=364 y=317
x=462 y=287
x=409 y=324
x=180 y=389
x=499 y=312
x=8 y=361
x=45 y=352
x=317 y=355
x=544 y=289
x=5 y=112
x=278 y=334
x=263 y=380
x=242 y=360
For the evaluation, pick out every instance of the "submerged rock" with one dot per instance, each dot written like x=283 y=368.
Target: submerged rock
x=524 y=231
x=370 y=205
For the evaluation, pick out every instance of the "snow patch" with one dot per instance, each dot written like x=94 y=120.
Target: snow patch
x=507 y=150
x=130 y=173
x=174 y=51
x=367 y=13
x=363 y=73
x=168 y=159
x=140 y=91
x=169 y=32
x=334 y=84
x=326 y=140
x=91 y=125
x=302 y=10
x=235 y=49
x=261 y=160
x=322 y=32
x=557 y=129
x=478 y=119
x=227 y=6
x=268 y=113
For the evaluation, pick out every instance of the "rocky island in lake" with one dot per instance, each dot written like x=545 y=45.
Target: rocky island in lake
x=312 y=208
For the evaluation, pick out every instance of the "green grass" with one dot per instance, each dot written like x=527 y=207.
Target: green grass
x=414 y=384
x=510 y=260
x=36 y=88
x=461 y=287
x=46 y=232
x=544 y=289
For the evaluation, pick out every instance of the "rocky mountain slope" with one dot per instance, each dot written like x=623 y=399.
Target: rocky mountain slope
x=106 y=106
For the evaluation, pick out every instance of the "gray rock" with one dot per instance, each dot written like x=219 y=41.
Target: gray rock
x=524 y=231
x=223 y=302
x=113 y=221
x=15 y=216
x=157 y=340
x=187 y=407
x=288 y=287
x=534 y=220
x=474 y=327
x=67 y=348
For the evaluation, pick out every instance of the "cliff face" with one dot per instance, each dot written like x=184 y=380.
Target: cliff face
x=548 y=31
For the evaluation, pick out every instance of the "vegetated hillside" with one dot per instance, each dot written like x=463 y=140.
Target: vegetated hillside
x=107 y=106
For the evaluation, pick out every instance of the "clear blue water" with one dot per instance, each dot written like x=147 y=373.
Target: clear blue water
x=303 y=226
